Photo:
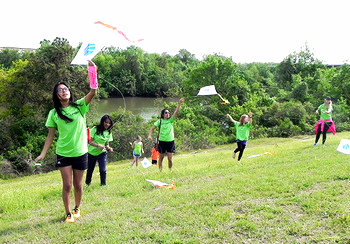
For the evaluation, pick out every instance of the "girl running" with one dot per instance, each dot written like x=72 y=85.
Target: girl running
x=242 y=133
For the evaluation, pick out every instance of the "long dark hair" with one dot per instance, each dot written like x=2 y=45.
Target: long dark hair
x=100 y=128
x=57 y=103
x=163 y=112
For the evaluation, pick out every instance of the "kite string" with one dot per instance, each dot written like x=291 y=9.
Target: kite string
x=120 y=94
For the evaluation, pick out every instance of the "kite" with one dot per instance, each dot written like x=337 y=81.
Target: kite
x=90 y=49
x=120 y=32
x=257 y=155
x=210 y=90
x=86 y=52
x=344 y=146
x=146 y=163
x=162 y=185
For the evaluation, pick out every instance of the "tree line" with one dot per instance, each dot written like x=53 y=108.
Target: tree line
x=282 y=96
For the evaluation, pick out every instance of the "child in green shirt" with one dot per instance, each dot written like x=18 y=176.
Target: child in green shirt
x=242 y=133
x=137 y=147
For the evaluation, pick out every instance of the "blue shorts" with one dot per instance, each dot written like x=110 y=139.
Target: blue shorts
x=166 y=146
x=79 y=163
x=136 y=155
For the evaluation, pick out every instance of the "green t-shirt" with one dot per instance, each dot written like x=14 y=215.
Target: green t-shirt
x=242 y=132
x=72 y=137
x=137 y=148
x=100 y=140
x=166 y=129
x=323 y=109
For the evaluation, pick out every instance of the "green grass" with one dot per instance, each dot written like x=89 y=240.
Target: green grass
x=299 y=195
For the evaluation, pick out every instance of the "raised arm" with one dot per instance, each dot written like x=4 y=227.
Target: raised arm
x=232 y=120
x=250 y=115
x=92 y=70
x=178 y=107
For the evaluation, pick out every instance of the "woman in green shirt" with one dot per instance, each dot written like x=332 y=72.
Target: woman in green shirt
x=325 y=123
x=166 y=134
x=68 y=118
x=97 y=149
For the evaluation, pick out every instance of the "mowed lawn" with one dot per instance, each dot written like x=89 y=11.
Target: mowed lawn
x=299 y=194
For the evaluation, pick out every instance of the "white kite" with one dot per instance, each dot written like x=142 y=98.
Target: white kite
x=146 y=163
x=209 y=91
x=87 y=51
x=344 y=146
x=162 y=184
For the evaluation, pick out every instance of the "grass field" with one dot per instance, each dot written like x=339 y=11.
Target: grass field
x=299 y=195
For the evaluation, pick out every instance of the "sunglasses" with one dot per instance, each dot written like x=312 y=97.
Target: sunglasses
x=60 y=90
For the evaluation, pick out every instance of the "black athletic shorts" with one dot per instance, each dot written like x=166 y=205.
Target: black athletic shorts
x=166 y=146
x=79 y=163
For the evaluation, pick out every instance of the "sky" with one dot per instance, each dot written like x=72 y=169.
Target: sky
x=246 y=30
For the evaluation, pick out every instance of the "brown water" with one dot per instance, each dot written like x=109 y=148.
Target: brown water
x=146 y=107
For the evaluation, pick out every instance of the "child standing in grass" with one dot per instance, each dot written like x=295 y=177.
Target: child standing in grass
x=155 y=155
x=242 y=133
x=137 y=147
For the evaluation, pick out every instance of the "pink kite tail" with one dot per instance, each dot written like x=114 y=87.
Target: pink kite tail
x=119 y=32
x=93 y=77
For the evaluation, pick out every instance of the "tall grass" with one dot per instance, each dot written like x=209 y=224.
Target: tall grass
x=299 y=195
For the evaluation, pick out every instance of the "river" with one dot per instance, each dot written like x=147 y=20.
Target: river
x=146 y=107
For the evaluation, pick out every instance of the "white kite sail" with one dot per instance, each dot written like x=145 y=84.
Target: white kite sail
x=344 y=146
x=207 y=91
x=146 y=163
x=86 y=52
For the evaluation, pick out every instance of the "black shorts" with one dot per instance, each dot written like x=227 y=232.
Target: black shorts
x=166 y=146
x=79 y=163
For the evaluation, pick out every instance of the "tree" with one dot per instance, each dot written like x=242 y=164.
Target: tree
x=7 y=56
x=302 y=63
